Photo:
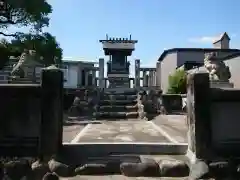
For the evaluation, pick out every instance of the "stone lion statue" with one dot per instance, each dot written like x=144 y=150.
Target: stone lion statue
x=216 y=68
x=26 y=60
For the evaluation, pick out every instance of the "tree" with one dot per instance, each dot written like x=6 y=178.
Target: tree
x=45 y=45
x=21 y=13
x=33 y=13
x=177 y=82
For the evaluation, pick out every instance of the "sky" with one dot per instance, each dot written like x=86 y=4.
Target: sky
x=157 y=25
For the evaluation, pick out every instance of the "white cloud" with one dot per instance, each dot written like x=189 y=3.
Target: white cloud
x=204 y=39
x=207 y=39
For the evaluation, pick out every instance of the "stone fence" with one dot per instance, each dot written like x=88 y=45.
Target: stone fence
x=213 y=128
x=31 y=116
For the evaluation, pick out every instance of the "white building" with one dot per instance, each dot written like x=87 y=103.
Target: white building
x=79 y=73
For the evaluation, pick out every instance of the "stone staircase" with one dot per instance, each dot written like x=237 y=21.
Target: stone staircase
x=116 y=105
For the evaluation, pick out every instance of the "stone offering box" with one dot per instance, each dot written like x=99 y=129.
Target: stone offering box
x=31 y=116
x=213 y=120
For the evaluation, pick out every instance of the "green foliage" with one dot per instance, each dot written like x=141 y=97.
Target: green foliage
x=34 y=14
x=45 y=45
x=20 y=13
x=177 y=82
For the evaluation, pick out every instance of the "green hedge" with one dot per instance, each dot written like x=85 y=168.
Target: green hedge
x=177 y=82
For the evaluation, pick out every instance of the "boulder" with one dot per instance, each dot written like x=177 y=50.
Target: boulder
x=39 y=169
x=50 y=176
x=173 y=168
x=146 y=168
x=17 y=169
x=59 y=168
x=199 y=170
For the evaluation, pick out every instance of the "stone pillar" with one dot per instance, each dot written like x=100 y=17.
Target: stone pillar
x=137 y=73
x=150 y=78
x=101 y=73
x=147 y=80
x=154 y=78
x=79 y=75
x=86 y=78
x=158 y=75
x=94 y=77
x=144 y=78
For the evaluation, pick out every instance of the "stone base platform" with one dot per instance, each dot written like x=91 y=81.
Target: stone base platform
x=136 y=159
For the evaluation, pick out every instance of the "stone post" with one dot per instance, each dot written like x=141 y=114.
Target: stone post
x=51 y=111
x=137 y=73
x=150 y=78
x=144 y=78
x=79 y=75
x=158 y=75
x=154 y=79
x=198 y=116
x=94 y=77
x=86 y=78
x=101 y=73
x=147 y=80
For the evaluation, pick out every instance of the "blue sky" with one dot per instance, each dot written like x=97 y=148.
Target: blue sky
x=156 y=24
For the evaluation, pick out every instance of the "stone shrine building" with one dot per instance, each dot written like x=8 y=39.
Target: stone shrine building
x=118 y=49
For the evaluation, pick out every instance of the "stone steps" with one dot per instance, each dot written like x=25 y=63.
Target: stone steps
x=110 y=108
x=117 y=102
x=120 y=97
x=116 y=115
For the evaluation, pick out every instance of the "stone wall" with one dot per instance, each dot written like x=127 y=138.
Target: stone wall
x=31 y=116
x=213 y=133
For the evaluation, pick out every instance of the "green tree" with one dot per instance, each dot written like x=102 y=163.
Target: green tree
x=21 y=13
x=33 y=14
x=177 y=82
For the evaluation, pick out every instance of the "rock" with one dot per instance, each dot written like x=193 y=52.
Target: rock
x=173 y=168
x=199 y=170
x=144 y=169
x=91 y=169
x=39 y=169
x=59 y=168
x=220 y=169
x=50 y=176
x=17 y=169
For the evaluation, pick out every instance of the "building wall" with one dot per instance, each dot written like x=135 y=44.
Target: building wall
x=73 y=73
x=196 y=56
x=234 y=66
x=71 y=76
x=168 y=66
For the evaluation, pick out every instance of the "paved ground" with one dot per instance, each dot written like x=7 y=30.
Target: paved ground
x=164 y=128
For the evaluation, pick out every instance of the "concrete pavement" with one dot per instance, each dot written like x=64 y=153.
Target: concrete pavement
x=162 y=129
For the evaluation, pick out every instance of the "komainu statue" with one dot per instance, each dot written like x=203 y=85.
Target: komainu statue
x=216 y=68
x=25 y=65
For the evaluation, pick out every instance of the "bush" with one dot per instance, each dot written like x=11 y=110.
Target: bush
x=177 y=82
